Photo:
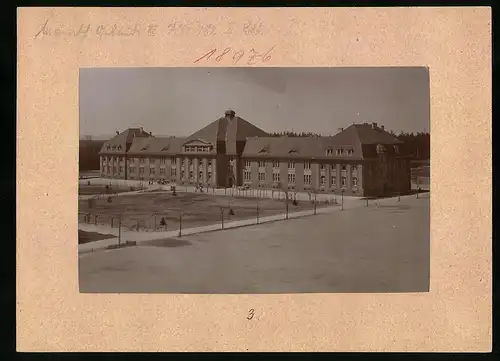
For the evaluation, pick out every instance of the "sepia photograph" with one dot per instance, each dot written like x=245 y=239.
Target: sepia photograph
x=254 y=180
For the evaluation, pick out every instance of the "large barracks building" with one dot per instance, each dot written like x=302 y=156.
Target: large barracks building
x=361 y=160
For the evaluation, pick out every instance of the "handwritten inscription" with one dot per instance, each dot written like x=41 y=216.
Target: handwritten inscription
x=226 y=28
x=249 y=28
x=251 y=313
x=251 y=57
x=100 y=30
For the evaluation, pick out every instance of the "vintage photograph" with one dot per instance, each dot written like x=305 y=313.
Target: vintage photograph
x=254 y=180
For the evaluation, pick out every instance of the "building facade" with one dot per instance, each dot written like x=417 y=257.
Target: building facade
x=362 y=159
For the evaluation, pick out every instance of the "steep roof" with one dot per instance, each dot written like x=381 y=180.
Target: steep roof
x=285 y=147
x=359 y=138
x=119 y=143
x=156 y=146
x=367 y=134
x=230 y=130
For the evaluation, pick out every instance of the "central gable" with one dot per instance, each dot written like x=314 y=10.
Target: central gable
x=197 y=141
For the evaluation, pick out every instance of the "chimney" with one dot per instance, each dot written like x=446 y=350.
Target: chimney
x=230 y=114
x=374 y=125
x=382 y=127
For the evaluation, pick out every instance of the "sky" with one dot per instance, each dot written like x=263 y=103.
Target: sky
x=179 y=101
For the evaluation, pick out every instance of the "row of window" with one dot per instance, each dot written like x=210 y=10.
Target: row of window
x=340 y=151
x=173 y=172
x=291 y=165
x=198 y=148
x=307 y=178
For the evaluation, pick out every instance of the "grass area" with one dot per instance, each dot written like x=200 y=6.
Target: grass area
x=86 y=237
x=197 y=209
x=84 y=189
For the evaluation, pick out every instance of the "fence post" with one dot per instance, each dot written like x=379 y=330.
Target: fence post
x=155 y=222
x=222 y=217
x=180 y=224
x=342 y=208
x=119 y=231
x=367 y=201
x=418 y=180
x=314 y=203
x=286 y=202
x=399 y=197
x=257 y=211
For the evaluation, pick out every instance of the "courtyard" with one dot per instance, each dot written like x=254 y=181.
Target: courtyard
x=146 y=210
x=377 y=248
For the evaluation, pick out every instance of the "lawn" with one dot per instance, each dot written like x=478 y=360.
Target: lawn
x=86 y=237
x=197 y=209
x=84 y=189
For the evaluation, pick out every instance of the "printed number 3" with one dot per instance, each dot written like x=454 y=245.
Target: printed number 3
x=250 y=314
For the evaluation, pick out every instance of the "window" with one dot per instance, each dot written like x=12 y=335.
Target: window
x=307 y=164
x=355 y=181
x=152 y=161
x=173 y=172
x=182 y=174
x=152 y=171
x=350 y=151
x=344 y=167
x=262 y=177
x=200 y=175
x=323 y=180
x=276 y=177
x=162 y=160
x=209 y=163
x=334 y=180
x=190 y=174
x=291 y=164
x=141 y=170
x=344 y=181
x=247 y=175
x=247 y=163
x=354 y=168
x=322 y=166
x=141 y=160
x=121 y=169
x=291 y=178
x=209 y=176
x=190 y=163
x=329 y=151
x=114 y=169
x=307 y=179
x=276 y=163
x=262 y=164
x=162 y=171
x=339 y=151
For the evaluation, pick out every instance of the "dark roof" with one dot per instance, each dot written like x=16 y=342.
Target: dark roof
x=230 y=130
x=292 y=147
x=368 y=135
x=121 y=141
x=358 y=137
x=156 y=146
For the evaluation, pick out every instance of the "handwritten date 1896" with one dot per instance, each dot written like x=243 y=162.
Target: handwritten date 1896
x=251 y=57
